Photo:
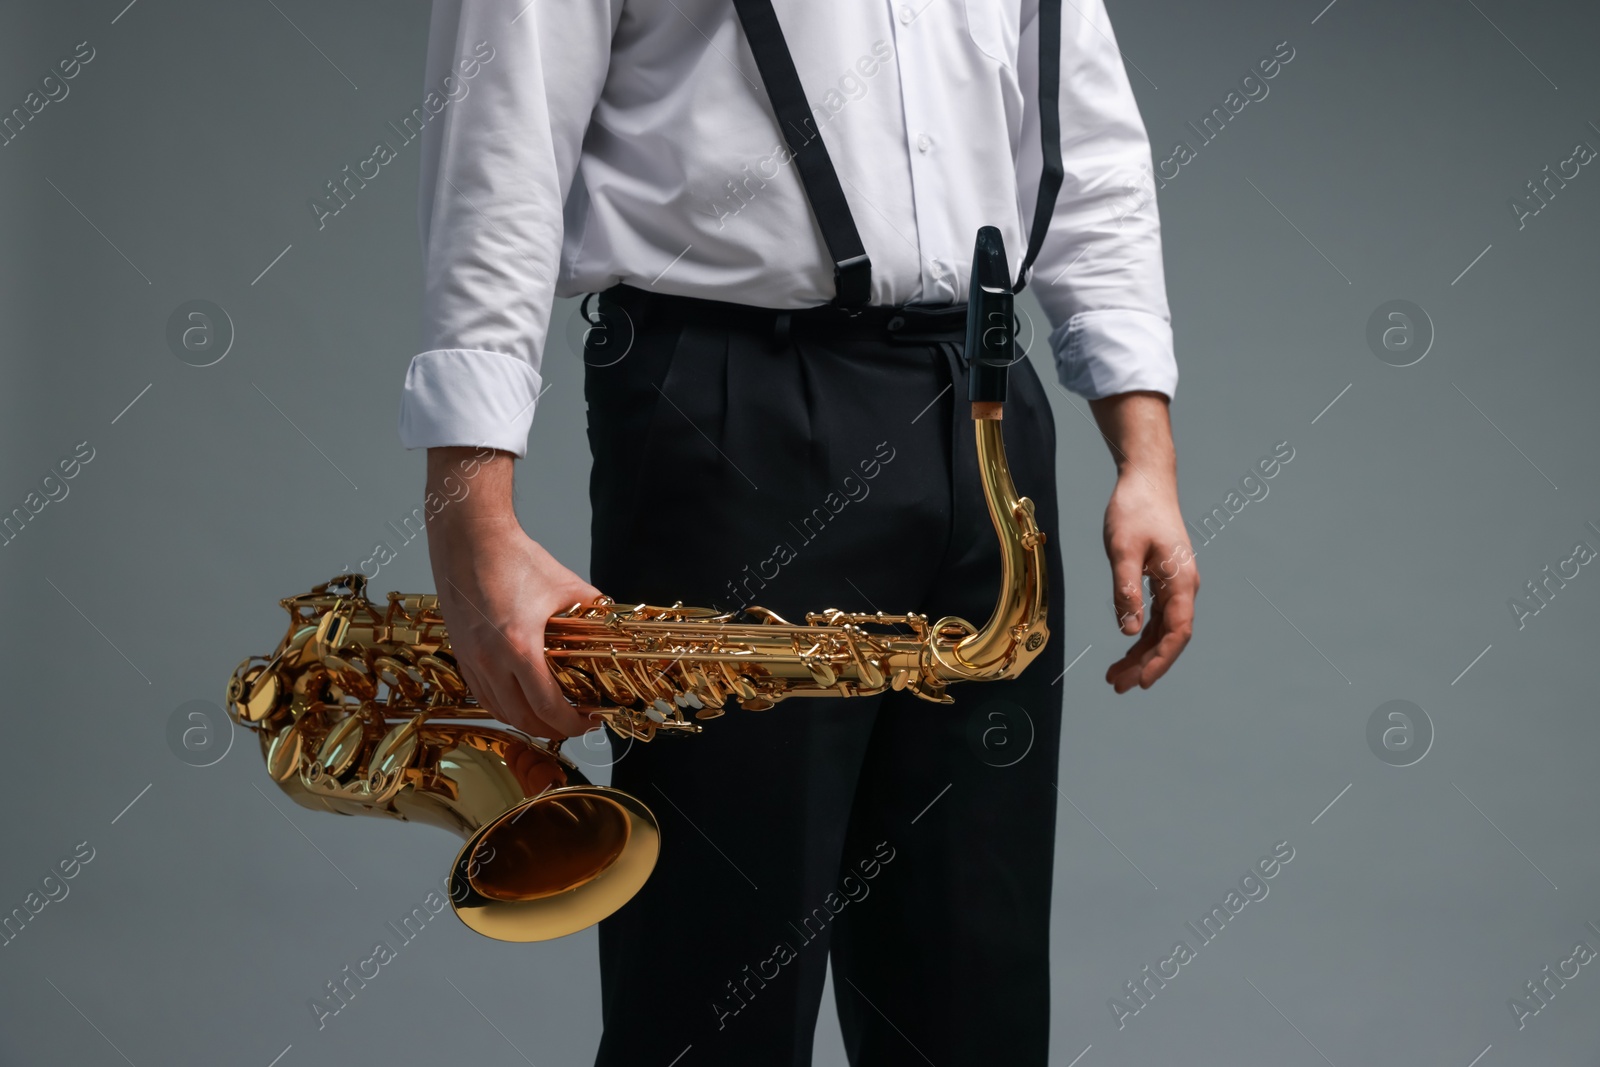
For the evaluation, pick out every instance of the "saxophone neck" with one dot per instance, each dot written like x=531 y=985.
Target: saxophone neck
x=1016 y=630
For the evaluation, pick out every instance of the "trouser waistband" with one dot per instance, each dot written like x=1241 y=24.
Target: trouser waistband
x=912 y=324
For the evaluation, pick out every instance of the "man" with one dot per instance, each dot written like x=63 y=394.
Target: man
x=774 y=420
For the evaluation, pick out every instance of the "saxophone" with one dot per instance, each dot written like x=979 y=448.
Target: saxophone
x=362 y=710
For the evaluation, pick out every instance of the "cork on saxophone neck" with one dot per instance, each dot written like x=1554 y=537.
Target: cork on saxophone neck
x=988 y=409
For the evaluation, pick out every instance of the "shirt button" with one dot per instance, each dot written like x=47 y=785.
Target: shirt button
x=906 y=15
x=936 y=270
x=924 y=142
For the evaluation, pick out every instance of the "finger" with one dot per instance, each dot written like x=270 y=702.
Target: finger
x=543 y=695
x=514 y=708
x=496 y=695
x=1171 y=624
x=498 y=692
x=1135 y=653
x=1177 y=627
x=576 y=596
x=1124 y=674
x=1128 y=574
x=556 y=716
x=476 y=686
x=1127 y=581
x=579 y=594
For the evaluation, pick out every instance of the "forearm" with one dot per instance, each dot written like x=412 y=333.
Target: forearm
x=497 y=587
x=479 y=485
x=1138 y=430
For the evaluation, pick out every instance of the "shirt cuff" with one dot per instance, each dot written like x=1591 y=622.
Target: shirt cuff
x=468 y=397
x=1115 y=350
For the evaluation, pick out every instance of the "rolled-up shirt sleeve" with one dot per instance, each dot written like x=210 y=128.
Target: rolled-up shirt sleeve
x=1099 y=273
x=509 y=88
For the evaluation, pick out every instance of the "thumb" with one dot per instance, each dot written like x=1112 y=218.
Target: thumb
x=1127 y=579
x=577 y=593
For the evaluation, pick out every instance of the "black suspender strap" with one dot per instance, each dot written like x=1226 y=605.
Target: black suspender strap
x=852 y=270
x=1049 y=131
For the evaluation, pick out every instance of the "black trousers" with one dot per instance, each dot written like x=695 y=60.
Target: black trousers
x=802 y=464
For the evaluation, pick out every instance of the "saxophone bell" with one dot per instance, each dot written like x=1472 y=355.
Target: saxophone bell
x=546 y=853
x=555 y=864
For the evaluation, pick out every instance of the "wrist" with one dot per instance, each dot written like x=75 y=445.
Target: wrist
x=1137 y=481
x=477 y=526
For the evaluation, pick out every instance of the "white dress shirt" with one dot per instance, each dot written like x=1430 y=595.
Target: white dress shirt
x=574 y=144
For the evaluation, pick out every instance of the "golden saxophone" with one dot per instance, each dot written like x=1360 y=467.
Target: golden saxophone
x=361 y=710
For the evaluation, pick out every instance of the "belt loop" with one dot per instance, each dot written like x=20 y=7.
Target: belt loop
x=958 y=349
x=782 y=330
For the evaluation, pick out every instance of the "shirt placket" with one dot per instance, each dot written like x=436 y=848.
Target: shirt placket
x=921 y=103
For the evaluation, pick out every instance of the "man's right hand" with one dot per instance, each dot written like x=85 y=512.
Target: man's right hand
x=497 y=589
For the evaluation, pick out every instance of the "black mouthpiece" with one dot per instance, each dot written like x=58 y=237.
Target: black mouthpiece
x=991 y=347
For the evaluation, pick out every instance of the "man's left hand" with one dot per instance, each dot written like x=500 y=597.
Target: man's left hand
x=1145 y=536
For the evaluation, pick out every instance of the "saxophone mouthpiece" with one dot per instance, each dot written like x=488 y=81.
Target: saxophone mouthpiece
x=991 y=342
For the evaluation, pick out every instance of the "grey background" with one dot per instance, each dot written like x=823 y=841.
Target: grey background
x=180 y=166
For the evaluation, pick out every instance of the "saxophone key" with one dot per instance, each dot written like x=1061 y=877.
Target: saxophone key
x=739 y=684
x=576 y=684
x=350 y=678
x=283 y=753
x=259 y=695
x=401 y=679
x=651 y=684
x=340 y=747
x=333 y=628
x=821 y=672
x=704 y=688
x=615 y=686
x=443 y=674
x=397 y=751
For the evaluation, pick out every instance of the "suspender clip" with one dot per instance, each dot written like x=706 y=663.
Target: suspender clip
x=852 y=280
